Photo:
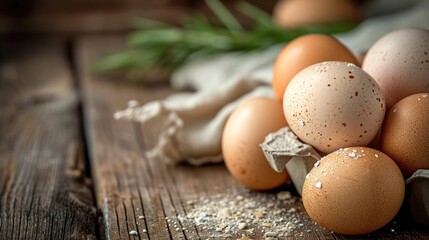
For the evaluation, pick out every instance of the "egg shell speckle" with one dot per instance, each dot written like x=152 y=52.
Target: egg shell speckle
x=405 y=133
x=331 y=105
x=399 y=62
x=354 y=191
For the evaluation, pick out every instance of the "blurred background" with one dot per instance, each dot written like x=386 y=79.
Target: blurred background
x=69 y=20
x=96 y=16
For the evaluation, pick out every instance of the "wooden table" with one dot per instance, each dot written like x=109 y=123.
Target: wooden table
x=68 y=170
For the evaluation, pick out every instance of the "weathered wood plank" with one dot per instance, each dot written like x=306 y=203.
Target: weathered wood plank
x=79 y=16
x=44 y=189
x=126 y=185
x=129 y=187
x=163 y=201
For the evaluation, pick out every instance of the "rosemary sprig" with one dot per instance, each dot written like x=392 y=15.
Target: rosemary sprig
x=166 y=47
x=224 y=15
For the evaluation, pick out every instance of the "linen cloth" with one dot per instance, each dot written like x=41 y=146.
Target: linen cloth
x=189 y=126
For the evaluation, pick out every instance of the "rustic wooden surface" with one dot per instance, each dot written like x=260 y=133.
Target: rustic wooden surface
x=72 y=174
x=44 y=190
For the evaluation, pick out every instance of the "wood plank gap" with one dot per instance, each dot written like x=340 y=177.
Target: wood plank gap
x=160 y=170
x=38 y=125
x=157 y=168
x=177 y=214
x=13 y=218
x=118 y=224
x=65 y=226
x=184 y=207
x=140 y=186
x=143 y=211
x=135 y=219
x=72 y=60
x=171 y=187
x=165 y=217
x=38 y=219
x=51 y=228
x=126 y=219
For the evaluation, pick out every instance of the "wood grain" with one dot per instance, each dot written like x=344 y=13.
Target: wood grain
x=134 y=193
x=45 y=187
x=128 y=184
x=44 y=190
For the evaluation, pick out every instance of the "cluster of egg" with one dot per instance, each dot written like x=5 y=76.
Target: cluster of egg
x=339 y=108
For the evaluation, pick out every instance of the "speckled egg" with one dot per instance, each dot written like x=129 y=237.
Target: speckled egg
x=332 y=105
x=405 y=133
x=353 y=191
x=399 y=62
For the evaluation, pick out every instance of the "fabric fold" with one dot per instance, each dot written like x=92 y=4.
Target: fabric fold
x=188 y=126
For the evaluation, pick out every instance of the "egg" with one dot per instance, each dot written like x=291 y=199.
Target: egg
x=332 y=105
x=353 y=191
x=245 y=129
x=303 y=52
x=399 y=62
x=405 y=133
x=299 y=13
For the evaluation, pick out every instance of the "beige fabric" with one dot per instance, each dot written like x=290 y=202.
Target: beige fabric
x=188 y=126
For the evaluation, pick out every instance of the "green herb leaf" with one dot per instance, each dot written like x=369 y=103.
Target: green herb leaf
x=224 y=15
x=160 y=45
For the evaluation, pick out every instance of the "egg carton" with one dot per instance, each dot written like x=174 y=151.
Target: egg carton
x=417 y=197
x=283 y=150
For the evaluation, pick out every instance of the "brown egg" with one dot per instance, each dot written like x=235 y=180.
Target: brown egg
x=405 y=133
x=353 y=191
x=245 y=129
x=299 y=13
x=303 y=52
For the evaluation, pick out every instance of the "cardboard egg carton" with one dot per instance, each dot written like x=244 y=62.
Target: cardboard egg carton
x=284 y=150
x=417 y=196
